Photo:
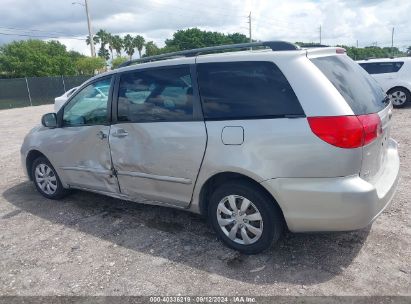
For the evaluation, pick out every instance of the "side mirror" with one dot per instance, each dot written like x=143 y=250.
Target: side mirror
x=49 y=120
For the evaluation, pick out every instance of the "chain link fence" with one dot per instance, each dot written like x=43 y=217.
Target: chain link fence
x=32 y=91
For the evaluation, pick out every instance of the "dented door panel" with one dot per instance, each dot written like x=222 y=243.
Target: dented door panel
x=159 y=161
x=81 y=156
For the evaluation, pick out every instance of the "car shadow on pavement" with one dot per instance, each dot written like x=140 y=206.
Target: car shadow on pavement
x=186 y=238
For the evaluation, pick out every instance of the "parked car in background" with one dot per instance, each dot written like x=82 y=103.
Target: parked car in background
x=393 y=75
x=257 y=141
x=59 y=101
x=99 y=92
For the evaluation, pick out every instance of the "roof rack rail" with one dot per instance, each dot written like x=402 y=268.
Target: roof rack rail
x=273 y=45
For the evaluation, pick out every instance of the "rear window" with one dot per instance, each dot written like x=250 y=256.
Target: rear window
x=246 y=89
x=382 y=67
x=358 y=88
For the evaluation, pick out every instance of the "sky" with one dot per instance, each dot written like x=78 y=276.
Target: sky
x=342 y=21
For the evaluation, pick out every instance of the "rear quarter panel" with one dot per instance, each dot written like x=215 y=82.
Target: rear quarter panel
x=281 y=147
x=273 y=148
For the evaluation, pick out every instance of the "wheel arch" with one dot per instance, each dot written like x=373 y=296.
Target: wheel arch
x=31 y=157
x=219 y=178
x=400 y=87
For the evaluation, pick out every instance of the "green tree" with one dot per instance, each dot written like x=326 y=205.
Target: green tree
x=195 y=38
x=128 y=42
x=117 y=44
x=96 y=40
x=238 y=38
x=103 y=37
x=139 y=42
x=103 y=53
x=152 y=49
x=362 y=53
x=88 y=65
x=36 y=58
x=110 y=44
x=409 y=51
x=74 y=56
x=117 y=61
x=372 y=52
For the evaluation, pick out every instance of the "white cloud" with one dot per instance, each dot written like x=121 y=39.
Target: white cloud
x=342 y=21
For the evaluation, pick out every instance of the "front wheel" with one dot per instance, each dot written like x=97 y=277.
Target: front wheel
x=46 y=180
x=244 y=217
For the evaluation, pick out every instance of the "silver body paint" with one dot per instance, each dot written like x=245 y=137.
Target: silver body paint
x=319 y=187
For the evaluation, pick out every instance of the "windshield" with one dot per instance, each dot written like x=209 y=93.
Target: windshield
x=358 y=88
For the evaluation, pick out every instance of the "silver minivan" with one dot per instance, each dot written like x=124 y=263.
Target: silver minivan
x=257 y=141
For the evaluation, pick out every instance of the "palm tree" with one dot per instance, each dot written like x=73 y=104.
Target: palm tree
x=110 y=44
x=96 y=40
x=117 y=44
x=102 y=36
x=103 y=53
x=139 y=43
x=128 y=43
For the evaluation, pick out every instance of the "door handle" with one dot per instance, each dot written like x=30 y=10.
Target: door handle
x=120 y=133
x=100 y=134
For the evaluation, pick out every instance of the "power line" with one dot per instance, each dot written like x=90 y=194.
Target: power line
x=40 y=36
x=34 y=30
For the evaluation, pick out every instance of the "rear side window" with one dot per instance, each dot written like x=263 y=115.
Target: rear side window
x=162 y=94
x=246 y=89
x=382 y=67
x=358 y=88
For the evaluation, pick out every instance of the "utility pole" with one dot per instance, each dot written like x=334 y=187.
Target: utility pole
x=90 y=31
x=392 y=43
x=320 y=34
x=357 y=43
x=249 y=27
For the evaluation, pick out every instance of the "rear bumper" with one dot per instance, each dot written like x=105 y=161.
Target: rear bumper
x=336 y=204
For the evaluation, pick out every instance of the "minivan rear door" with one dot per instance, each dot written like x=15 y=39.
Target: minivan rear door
x=158 y=138
x=364 y=96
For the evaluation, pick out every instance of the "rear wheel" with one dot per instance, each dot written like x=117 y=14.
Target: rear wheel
x=46 y=180
x=399 y=96
x=244 y=217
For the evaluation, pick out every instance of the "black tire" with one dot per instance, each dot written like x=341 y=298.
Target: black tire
x=272 y=218
x=399 y=91
x=60 y=191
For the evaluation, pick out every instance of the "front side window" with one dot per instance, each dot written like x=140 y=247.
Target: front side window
x=89 y=106
x=247 y=89
x=153 y=95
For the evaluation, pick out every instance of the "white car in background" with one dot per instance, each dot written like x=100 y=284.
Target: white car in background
x=59 y=101
x=393 y=75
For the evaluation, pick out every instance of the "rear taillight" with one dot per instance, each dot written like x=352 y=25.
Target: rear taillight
x=372 y=127
x=346 y=131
